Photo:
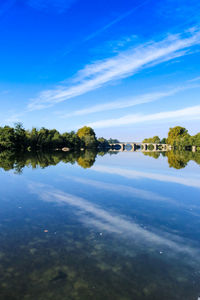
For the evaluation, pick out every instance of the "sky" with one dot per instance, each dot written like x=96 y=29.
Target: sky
x=129 y=69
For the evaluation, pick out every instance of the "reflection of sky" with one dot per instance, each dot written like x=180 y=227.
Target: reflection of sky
x=120 y=192
x=92 y=214
x=134 y=174
x=111 y=196
x=123 y=189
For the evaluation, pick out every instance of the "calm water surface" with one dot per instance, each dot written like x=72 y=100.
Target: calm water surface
x=125 y=227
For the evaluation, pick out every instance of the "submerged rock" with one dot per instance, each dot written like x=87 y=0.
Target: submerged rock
x=61 y=276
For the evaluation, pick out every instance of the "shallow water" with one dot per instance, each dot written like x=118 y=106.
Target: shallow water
x=123 y=226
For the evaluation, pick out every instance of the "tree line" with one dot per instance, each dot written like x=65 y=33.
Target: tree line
x=178 y=137
x=17 y=138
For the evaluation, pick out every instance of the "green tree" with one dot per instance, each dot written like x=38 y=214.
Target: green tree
x=163 y=141
x=153 y=140
x=20 y=136
x=33 y=138
x=156 y=139
x=147 y=140
x=176 y=134
x=87 y=135
x=7 y=138
x=72 y=140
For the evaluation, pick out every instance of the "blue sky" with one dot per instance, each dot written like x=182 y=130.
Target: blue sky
x=129 y=69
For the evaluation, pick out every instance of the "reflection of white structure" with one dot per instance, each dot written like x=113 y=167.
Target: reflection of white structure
x=142 y=146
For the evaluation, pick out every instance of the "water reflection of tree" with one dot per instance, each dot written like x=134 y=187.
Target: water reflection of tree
x=177 y=159
x=7 y=160
x=87 y=159
x=152 y=154
x=10 y=160
x=180 y=159
x=17 y=161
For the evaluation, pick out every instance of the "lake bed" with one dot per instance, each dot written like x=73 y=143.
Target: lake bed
x=122 y=226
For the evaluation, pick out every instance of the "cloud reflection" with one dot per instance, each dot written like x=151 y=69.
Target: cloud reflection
x=119 y=188
x=192 y=182
x=92 y=214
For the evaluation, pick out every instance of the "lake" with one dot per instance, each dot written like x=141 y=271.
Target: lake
x=104 y=227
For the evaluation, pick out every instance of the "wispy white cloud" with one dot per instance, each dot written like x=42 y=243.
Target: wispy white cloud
x=189 y=113
x=134 y=174
x=130 y=102
x=126 y=63
x=195 y=79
